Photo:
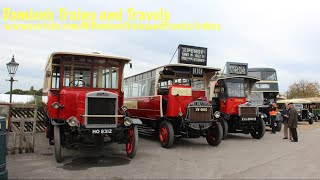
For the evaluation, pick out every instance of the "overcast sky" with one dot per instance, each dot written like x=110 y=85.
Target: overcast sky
x=282 y=34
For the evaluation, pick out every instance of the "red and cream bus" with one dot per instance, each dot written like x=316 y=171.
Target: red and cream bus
x=172 y=99
x=84 y=102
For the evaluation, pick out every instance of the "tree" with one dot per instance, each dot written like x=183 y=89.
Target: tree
x=303 y=89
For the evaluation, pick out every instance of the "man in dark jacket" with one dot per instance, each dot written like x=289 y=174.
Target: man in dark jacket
x=285 y=115
x=293 y=122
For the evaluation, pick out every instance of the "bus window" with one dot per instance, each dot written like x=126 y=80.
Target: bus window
x=270 y=76
x=55 y=78
x=110 y=78
x=198 y=84
x=126 y=89
x=142 y=88
x=134 y=89
x=235 y=89
x=150 y=87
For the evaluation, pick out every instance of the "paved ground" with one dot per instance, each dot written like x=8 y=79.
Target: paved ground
x=239 y=156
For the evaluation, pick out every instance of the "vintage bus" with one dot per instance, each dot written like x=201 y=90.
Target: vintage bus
x=84 y=102
x=172 y=100
x=265 y=92
x=230 y=93
x=265 y=89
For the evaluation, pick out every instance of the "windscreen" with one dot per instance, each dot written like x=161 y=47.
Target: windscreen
x=235 y=89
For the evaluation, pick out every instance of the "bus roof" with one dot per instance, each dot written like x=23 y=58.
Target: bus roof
x=95 y=55
x=232 y=77
x=207 y=69
x=261 y=69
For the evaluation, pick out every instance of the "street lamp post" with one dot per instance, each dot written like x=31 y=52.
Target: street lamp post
x=12 y=69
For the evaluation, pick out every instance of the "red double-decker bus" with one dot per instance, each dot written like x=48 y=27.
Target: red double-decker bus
x=172 y=99
x=84 y=102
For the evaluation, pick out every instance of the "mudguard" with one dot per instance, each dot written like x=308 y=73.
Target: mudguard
x=136 y=121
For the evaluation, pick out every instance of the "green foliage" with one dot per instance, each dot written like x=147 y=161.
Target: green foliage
x=26 y=92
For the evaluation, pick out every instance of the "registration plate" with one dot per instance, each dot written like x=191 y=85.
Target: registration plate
x=201 y=109
x=248 y=119
x=101 y=131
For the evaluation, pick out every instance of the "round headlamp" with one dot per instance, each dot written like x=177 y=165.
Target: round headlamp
x=124 y=108
x=216 y=114
x=262 y=115
x=127 y=121
x=55 y=105
x=73 y=121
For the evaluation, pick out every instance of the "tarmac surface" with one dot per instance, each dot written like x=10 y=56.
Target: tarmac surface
x=237 y=157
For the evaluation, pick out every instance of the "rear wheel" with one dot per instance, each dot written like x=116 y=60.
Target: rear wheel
x=316 y=118
x=132 y=145
x=258 y=133
x=225 y=127
x=166 y=134
x=310 y=121
x=214 y=135
x=279 y=126
x=57 y=143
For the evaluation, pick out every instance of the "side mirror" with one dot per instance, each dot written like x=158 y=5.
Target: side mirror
x=130 y=65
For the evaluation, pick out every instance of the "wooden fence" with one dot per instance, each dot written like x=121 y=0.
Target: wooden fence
x=24 y=121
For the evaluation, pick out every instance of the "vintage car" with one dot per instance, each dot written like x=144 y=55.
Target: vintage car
x=84 y=102
x=304 y=114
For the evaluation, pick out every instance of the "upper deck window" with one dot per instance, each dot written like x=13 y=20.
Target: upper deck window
x=270 y=76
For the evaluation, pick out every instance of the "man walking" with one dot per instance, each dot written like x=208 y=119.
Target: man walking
x=285 y=115
x=273 y=115
x=293 y=122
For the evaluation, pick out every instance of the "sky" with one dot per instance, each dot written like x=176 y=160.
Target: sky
x=284 y=35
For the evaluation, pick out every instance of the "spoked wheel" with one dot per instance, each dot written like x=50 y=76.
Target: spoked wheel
x=215 y=134
x=310 y=121
x=132 y=145
x=258 y=133
x=57 y=143
x=166 y=134
x=279 y=126
x=225 y=127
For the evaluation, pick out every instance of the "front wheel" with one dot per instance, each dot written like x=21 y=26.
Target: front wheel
x=259 y=131
x=310 y=121
x=57 y=143
x=132 y=144
x=214 y=135
x=279 y=126
x=316 y=118
x=225 y=127
x=166 y=134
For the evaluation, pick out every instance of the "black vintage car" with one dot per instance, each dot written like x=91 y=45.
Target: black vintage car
x=264 y=114
x=304 y=114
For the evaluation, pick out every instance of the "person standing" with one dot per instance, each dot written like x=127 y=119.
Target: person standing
x=293 y=122
x=285 y=115
x=273 y=115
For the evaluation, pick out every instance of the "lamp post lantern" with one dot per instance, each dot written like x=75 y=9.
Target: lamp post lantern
x=12 y=69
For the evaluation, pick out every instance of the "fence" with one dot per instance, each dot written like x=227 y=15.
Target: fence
x=24 y=120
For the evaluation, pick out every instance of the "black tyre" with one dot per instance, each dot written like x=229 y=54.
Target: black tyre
x=215 y=134
x=279 y=126
x=57 y=143
x=166 y=134
x=310 y=121
x=225 y=127
x=316 y=118
x=258 y=133
x=133 y=140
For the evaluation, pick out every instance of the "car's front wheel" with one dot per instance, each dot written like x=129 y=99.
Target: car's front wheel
x=132 y=144
x=258 y=133
x=57 y=143
x=310 y=121
x=166 y=134
x=215 y=134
